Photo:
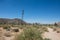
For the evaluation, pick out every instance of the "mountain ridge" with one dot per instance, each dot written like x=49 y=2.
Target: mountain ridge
x=11 y=21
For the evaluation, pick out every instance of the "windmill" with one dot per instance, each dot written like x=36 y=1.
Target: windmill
x=22 y=14
x=22 y=17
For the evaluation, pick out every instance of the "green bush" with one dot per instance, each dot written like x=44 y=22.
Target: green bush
x=5 y=27
x=46 y=39
x=30 y=33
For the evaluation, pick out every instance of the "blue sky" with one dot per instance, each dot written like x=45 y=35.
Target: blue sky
x=41 y=11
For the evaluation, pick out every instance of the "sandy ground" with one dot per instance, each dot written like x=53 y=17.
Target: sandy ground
x=53 y=35
x=2 y=37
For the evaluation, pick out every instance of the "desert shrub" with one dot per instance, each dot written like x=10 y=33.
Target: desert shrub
x=6 y=27
x=45 y=29
x=36 y=26
x=16 y=30
x=46 y=39
x=30 y=33
x=21 y=27
x=58 y=31
x=51 y=26
x=56 y=25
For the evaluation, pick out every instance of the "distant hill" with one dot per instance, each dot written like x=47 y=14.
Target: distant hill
x=11 y=21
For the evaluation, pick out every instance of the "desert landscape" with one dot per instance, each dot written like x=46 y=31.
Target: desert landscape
x=29 y=19
x=16 y=31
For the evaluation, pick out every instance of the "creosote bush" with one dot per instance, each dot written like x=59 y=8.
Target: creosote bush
x=47 y=39
x=16 y=30
x=6 y=27
x=30 y=33
x=58 y=31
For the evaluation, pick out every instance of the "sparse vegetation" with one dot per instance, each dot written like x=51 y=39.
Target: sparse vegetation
x=6 y=26
x=46 y=39
x=30 y=33
x=58 y=31
x=7 y=34
x=56 y=25
x=16 y=30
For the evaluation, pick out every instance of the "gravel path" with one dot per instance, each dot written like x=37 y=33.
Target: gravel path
x=52 y=35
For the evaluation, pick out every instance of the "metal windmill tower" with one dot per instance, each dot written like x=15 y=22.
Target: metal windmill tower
x=22 y=16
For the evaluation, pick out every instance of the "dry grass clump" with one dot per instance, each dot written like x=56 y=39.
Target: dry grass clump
x=30 y=33
x=45 y=29
x=6 y=27
x=46 y=39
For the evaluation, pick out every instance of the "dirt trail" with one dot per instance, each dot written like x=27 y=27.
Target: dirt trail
x=52 y=35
